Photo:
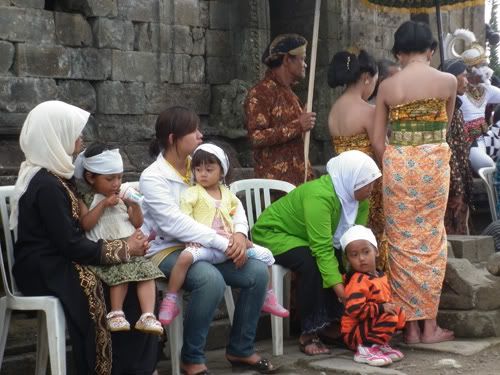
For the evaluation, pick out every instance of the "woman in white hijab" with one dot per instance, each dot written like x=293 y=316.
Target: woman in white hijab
x=299 y=227
x=51 y=250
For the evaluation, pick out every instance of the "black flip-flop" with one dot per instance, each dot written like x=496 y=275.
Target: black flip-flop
x=202 y=372
x=263 y=366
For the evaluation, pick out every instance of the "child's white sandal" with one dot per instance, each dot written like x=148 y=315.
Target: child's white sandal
x=148 y=323
x=116 y=321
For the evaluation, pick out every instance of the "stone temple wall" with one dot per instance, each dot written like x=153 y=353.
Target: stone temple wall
x=126 y=60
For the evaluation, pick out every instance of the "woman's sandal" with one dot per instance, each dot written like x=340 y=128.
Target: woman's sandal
x=318 y=343
x=202 y=372
x=148 y=323
x=116 y=322
x=263 y=366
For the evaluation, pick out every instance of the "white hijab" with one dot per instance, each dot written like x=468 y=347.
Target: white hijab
x=350 y=171
x=48 y=141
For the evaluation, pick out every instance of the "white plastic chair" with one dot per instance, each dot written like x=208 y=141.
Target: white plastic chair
x=487 y=175
x=51 y=321
x=253 y=189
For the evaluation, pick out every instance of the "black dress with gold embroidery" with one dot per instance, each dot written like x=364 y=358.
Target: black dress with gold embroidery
x=51 y=255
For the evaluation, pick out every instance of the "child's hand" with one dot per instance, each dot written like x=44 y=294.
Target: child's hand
x=111 y=200
x=339 y=291
x=390 y=308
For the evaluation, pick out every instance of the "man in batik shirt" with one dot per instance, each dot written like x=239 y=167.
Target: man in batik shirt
x=457 y=210
x=276 y=121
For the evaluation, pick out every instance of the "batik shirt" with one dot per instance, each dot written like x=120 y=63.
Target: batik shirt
x=272 y=113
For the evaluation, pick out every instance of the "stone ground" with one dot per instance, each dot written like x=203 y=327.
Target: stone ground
x=478 y=356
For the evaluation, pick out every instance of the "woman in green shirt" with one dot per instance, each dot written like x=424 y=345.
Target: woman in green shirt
x=299 y=227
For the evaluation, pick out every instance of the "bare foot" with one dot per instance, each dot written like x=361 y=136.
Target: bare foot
x=312 y=345
x=412 y=333
x=193 y=368
x=439 y=335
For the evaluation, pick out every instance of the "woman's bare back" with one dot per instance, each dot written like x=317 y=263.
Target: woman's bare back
x=349 y=116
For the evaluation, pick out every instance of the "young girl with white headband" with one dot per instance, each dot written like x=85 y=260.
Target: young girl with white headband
x=211 y=203
x=110 y=217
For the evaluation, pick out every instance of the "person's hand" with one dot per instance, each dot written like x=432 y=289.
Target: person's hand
x=237 y=249
x=307 y=120
x=111 y=200
x=137 y=244
x=339 y=291
x=390 y=308
x=249 y=244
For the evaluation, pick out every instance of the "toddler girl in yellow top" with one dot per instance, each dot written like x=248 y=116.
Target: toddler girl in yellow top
x=211 y=203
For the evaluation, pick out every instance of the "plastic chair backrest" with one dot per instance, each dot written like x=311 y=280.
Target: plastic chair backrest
x=253 y=188
x=487 y=175
x=6 y=193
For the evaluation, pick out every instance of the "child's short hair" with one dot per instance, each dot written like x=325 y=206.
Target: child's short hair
x=95 y=148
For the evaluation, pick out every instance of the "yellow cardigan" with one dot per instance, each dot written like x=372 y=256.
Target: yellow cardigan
x=198 y=204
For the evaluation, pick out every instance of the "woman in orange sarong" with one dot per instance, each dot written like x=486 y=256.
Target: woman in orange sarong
x=418 y=102
x=350 y=124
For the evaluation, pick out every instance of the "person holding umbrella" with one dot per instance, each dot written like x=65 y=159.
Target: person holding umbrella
x=275 y=119
x=418 y=102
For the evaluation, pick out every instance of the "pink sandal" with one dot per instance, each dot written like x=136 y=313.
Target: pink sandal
x=272 y=306
x=168 y=311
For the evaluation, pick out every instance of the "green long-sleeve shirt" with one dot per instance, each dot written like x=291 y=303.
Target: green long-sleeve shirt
x=307 y=216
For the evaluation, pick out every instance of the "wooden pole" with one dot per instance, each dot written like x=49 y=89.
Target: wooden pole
x=312 y=74
x=440 y=31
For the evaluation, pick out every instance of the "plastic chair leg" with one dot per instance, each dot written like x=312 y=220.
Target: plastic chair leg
x=175 y=337
x=4 y=326
x=277 y=322
x=228 y=297
x=56 y=326
x=42 y=348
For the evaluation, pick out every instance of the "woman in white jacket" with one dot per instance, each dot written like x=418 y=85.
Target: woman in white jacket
x=177 y=135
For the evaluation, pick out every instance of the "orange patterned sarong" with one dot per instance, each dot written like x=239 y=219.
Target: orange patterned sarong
x=415 y=190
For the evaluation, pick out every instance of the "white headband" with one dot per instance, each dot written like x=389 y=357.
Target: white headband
x=107 y=162
x=218 y=153
x=357 y=232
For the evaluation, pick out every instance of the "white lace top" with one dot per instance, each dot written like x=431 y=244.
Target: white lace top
x=113 y=224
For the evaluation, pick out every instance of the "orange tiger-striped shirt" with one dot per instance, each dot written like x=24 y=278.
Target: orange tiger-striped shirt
x=365 y=295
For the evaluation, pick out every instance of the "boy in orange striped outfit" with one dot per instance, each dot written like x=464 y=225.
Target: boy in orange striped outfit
x=370 y=318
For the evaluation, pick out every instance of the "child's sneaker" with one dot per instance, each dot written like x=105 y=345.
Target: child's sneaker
x=272 y=306
x=168 y=311
x=394 y=354
x=147 y=323
x=372 y=356
x=116 y=322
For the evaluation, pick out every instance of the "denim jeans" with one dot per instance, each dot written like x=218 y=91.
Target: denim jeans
x=206 y=283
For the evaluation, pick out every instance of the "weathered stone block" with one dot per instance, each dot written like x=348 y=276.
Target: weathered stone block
x=183 y=40
x=179 y=68
x=11 y=156
x=198 y=41
x=466 y=287
x=120 y=98
x=11 y=124
x=474 y=248
x=162 y=37
x=142 y=38
x=37 y=4
x=218 y=13
x=138 y=155
x=72 y=29
x=220 y=69
x=186 y=12
x=6 y=56
x=79 y=93
x=23 y=94
x=113 y=33
x=113 y=128
x=493 y=265
x=166 y=61
x=92 y=8
x=14 y=21
x=218 y=43
x=135 y=66
x=139 y=10
x=196 y=70
x=204 y=14
x=471 y=323
x=90 y=63
x=43 y=61
x=162 y=96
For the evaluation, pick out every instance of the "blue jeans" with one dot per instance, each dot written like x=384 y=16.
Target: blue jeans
x=206 y=283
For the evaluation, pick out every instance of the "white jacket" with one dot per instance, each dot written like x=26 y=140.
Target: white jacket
x=162 y=187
